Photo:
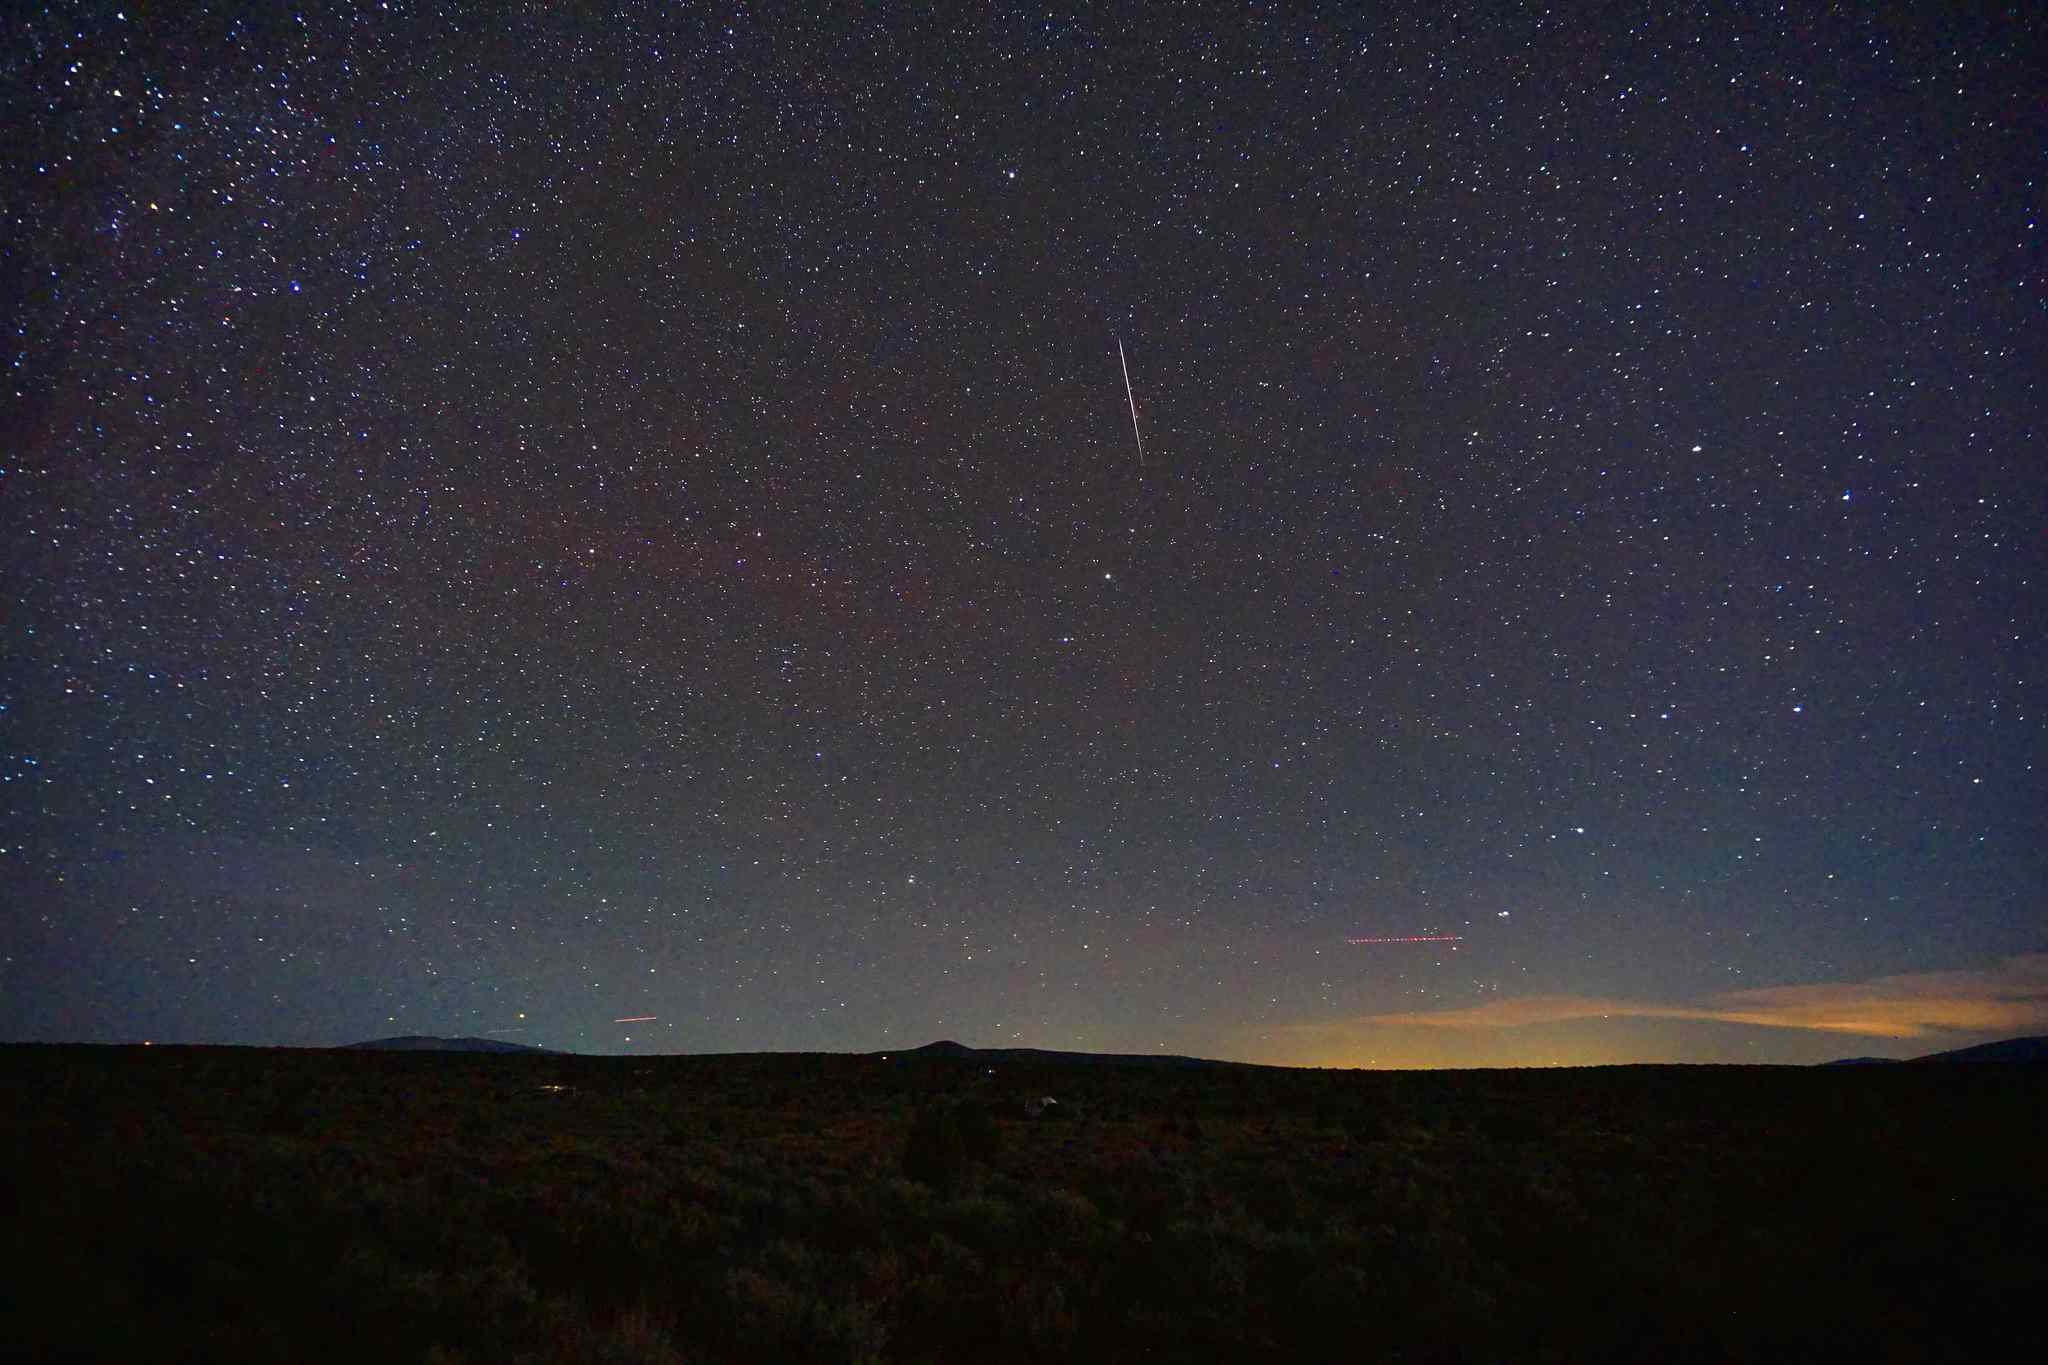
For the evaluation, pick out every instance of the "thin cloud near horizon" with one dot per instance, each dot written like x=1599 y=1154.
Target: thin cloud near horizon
x=2011 y=997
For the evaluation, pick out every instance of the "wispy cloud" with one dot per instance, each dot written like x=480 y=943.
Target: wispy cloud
x=2010 y=998
x=1946 y=1007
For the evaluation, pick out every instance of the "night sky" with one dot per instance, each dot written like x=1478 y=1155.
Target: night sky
x=516 y=520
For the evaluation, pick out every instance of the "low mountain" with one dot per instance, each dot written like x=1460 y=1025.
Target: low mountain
x=421 y=1043
x=2009 y=1050
x=947 y=1049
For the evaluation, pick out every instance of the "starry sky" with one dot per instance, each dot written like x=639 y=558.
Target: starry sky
x=519 y=518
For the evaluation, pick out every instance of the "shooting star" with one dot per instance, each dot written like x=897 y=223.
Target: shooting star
x=1133 y=399
x=637 y=1019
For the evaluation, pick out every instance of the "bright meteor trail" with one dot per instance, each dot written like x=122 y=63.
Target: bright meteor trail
x=1133 y=401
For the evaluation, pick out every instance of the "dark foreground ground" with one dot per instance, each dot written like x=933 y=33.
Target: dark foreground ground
x=231 y=1204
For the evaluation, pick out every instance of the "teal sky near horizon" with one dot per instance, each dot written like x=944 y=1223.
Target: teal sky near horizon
x=519 y=521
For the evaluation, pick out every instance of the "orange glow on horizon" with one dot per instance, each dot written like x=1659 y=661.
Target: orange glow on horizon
x=1926 y=1011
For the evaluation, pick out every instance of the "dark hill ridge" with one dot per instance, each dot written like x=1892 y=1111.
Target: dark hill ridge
x=2007 y=1050
x=423 y=1043
x=947 y=1049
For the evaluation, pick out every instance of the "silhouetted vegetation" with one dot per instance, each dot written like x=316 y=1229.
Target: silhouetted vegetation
x=177 y=1203
x=949 y=1140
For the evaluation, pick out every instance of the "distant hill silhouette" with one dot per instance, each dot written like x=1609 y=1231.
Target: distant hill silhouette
x=947 y=1049
x=420 y=1043
x=2010 y=1050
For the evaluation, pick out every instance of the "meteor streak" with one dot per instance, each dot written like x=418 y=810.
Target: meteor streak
x=1133 y=399
x=1412 y=938
x=637 y=1019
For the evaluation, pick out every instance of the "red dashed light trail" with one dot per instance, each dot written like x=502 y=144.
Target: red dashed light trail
x=1412 y=938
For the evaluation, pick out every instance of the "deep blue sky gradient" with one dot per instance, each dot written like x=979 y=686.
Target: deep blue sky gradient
x=517 y=519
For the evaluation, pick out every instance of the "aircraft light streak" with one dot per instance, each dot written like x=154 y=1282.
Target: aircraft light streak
x=1412 y=938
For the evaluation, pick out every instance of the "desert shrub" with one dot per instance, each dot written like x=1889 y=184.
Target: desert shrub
x=983 y=1134
x=1508 y=1125
x=1034 y=1314
x=1625 y=1214
x=792 y=1261
x=771 y=1319
x=1378 y=1125
x=984 y=1222
x=947 y=1140
x=948 y=1307
x=1064 y=1215
x=1215 y=1253
x=289 y=1111
x=902 y=1205
x=634 y=1336
x=840 y=1220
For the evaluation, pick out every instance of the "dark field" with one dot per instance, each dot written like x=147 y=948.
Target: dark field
x=231 y=1204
